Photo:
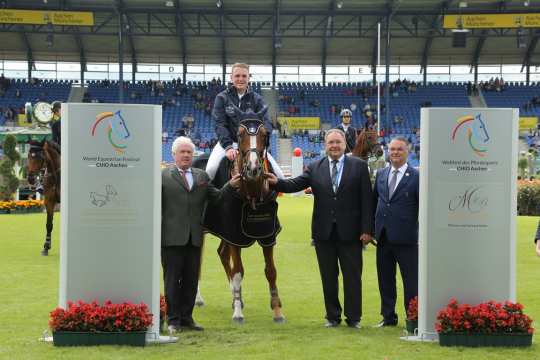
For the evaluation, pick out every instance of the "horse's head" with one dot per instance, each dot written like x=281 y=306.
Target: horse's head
x=367 y=145
x=252 y=137
x=36 y=160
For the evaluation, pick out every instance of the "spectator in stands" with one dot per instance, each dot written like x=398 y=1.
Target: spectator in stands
x=469 y=88
x=188 y=121
x=18 y=94
x=353 y=107
x=227 y=119
x=315 y=103
x=536 y=238
x=350 y=132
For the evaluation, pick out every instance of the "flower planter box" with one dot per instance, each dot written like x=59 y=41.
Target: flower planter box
x=476 y=340
x=71 y=338
x=411 y=325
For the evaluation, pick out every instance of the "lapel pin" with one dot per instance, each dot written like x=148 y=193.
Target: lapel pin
x=406 y=174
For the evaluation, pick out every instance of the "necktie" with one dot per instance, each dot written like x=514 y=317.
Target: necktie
x=392 y=185
x=183 y=174
x=334 y=175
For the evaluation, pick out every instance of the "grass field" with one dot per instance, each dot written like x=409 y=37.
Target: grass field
x=29 y=290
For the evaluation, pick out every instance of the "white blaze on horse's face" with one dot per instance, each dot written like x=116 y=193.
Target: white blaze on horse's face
x=253 y=158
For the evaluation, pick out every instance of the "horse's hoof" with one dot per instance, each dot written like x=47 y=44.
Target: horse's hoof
x=45 y=252
x=280 y=320
x=238 y=320
x=199 y=302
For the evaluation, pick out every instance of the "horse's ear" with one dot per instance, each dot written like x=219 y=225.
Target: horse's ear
x=260 y=114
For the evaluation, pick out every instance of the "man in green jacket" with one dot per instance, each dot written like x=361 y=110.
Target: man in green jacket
x=184 y=191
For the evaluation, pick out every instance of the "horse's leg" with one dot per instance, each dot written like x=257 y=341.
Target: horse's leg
x=199 y=301
x=225 y=256
x=271 y=276
x=49 y=205
x=237 y=273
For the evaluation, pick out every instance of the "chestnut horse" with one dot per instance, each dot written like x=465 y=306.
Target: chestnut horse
x=367 y=145
x=248 y=216
x=44 y=161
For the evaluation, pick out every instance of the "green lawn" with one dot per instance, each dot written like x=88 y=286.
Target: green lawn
x=29 y=290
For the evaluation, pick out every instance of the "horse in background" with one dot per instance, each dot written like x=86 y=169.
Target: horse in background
x=249 y=215
x=369 y=149
x=44 y=162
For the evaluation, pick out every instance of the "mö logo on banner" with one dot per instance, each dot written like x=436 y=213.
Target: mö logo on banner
x=117 y=130
x=476 y=133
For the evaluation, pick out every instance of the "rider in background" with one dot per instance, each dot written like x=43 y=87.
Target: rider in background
x=350 y=132
x=227 y=119
x=56 y=125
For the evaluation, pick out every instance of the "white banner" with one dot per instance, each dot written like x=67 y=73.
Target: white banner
x=111 y=204
x=468 y=169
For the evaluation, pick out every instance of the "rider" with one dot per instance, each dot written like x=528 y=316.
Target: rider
x=350 y=132
x=55 y=132
x=227 y=119
x=55 y=124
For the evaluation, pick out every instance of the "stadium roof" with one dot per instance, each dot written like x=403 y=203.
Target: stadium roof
x=306 y=32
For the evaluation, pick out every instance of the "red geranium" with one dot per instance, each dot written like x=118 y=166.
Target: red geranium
x=92 y=317
x=486 y=318
x=412 y=309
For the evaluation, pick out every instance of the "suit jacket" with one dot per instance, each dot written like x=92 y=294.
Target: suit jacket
x=350 y=207
x=350 y=137
x=398 y=215
x=182 y=210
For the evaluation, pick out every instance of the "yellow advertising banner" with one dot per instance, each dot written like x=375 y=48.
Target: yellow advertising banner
x=528 y=122
x=36 y=17
x=301 y=123
x=487 y=21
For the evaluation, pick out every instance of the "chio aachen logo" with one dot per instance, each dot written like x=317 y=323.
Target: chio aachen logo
x=117 y=131
x=476 y=132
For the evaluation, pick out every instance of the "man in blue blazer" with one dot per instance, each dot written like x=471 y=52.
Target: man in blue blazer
x=396 y=229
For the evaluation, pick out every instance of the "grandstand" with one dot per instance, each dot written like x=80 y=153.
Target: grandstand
x=322 y=50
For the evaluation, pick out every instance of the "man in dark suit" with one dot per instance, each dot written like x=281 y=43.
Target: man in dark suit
x=341 y=224
x=396 y=229
x=350 y=132
x=184 y=192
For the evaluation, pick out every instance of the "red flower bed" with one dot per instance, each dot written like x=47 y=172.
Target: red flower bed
x=92 y=317
x=487 y=318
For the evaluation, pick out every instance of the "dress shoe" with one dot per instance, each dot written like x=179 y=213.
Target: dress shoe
x=173 y=329
x=331 y=323
x=192 y=326
x=385 y=323
x=354 y=324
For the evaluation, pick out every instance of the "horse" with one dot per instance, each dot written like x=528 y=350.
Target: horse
x=44 y=161
x=249 y=215
x=367 y=145
x=368 y=149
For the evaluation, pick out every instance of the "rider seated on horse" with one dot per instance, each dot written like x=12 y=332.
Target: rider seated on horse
x=350 y=132
x=56 y=133
x=227 y=118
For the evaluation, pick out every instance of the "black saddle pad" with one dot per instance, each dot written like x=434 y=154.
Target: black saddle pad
x=235 y=222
